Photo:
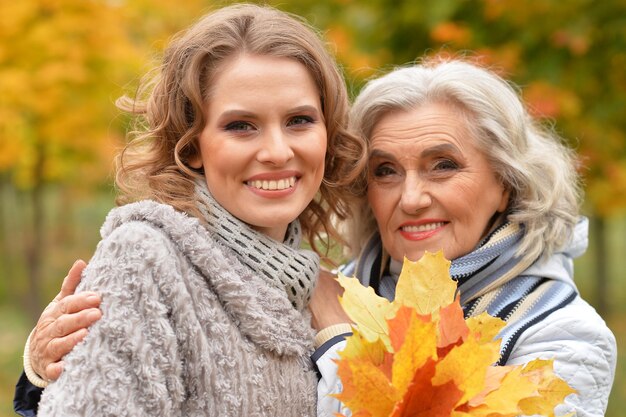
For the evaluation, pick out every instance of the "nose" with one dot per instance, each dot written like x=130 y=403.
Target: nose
x=415 y=194
x=275 y=148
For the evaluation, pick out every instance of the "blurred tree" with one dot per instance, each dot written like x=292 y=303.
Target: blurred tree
x=62 y=63
x=56 y=65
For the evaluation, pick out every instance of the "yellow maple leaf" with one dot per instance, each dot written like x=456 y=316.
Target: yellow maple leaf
x=366 y=309
x=505 y=399
x=495 y=375
x=466 y=365
x=551 y=389
x=425 y=285
x=484 y=326
x=359 y=347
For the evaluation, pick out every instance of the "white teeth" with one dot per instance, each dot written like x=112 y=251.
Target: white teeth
x=273 y=184
x=422 y=228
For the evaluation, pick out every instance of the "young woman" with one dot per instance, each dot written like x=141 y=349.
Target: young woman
x=203 y=283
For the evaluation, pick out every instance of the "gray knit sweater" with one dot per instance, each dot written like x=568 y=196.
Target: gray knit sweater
x=187 y=329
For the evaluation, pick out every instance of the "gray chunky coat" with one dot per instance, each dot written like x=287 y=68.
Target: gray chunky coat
x=187 y=329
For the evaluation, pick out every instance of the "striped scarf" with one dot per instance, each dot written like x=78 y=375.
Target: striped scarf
x=491 y=278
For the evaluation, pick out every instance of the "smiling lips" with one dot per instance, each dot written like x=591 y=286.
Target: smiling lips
x=271 y=185
x=421 y=231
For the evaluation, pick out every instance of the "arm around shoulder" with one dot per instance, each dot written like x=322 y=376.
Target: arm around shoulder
x=128 y=364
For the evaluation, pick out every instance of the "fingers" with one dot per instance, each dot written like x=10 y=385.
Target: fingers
x=324 y=305
x=75 y=303
x=53 y=371
x=61 y=346
x=61 y=326
x=327 y=286
x=71 y=281
x=67 y=324
x=58 y=348
x=71 y=304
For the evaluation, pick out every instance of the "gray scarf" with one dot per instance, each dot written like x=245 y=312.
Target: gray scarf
x=282 y=265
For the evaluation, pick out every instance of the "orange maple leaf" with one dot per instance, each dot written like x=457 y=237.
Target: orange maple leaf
x=418 y=346
x=452 y=326
x=361 y=379
x=423 y=399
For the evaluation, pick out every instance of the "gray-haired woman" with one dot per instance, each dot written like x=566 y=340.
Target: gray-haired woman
x=457 y=163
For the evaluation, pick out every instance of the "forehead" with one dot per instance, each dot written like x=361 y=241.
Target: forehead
x=245 y=71
x=431 y=126
x=260 y=85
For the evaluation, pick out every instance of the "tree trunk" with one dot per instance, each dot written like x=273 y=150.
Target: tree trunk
x=601 y=262
x=6 y=264
x=35 y=245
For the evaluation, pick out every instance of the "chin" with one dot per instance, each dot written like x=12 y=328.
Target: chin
x=411 y=256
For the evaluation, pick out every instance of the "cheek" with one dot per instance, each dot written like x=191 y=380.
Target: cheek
x=320 y=157
x=311 y=151
x=319 y=151
x=381 y=204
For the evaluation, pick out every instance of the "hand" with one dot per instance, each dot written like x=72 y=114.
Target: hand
x=62 y=325
x=324 y=306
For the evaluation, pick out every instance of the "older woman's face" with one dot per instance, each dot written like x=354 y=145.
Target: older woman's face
x=429 y=185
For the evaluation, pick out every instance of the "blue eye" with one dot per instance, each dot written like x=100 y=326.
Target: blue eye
x=239 y=126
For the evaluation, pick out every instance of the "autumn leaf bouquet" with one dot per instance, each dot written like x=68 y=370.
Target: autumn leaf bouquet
x=418 y=356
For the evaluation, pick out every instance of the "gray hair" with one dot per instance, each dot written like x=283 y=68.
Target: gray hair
x=530 y=159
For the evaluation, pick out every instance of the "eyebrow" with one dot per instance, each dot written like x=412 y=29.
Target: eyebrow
x=377 y=153
x=434 y=150
x=306 y=108
x=441 y=148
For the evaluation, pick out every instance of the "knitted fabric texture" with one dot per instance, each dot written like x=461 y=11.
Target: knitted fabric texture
x=492 y=279
x=188 y=329
x=263 y=254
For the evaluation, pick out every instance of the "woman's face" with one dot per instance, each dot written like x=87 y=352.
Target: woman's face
x=429 y=185
x=264 y=142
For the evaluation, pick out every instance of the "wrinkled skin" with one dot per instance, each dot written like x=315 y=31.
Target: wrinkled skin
x=62 y=325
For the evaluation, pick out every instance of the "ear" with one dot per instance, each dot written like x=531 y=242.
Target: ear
x=504 y=201
x=195 y=161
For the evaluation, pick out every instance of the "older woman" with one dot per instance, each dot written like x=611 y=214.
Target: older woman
x=456 y=163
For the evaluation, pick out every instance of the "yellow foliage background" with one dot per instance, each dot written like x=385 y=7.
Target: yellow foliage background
x=64 y=62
